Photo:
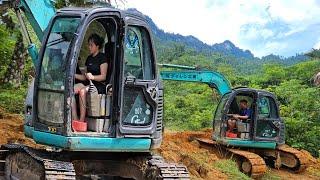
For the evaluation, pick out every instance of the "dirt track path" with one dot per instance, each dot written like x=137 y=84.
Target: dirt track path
x=177 y=147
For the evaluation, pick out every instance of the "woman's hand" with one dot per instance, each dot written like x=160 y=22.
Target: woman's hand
x=236 y=116
x=89 y=76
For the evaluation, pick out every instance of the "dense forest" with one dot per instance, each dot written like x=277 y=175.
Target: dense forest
x=190 y=106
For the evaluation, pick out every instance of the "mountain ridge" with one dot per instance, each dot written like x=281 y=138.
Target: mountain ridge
x=226 y=48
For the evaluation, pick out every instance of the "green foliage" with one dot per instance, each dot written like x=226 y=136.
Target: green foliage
x=6 y=48
x=230 y=168
x=12 y=99
x=300 y=106
x=315 y=53
x=270 y=176
x=188 y=105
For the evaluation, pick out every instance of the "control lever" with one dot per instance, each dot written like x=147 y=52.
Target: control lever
x=130 y=80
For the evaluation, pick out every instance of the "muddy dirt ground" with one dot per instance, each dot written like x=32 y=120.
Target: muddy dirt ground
x=177 y=147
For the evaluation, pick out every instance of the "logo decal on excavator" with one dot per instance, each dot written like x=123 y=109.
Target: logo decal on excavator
x=52 y=129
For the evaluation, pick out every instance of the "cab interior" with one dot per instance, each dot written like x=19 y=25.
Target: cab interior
x=98 y=109
x=243 y=127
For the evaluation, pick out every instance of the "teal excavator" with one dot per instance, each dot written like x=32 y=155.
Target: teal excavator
x=127 y=126
x=260 y=140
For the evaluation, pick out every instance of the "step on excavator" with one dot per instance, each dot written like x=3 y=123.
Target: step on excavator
x=121 y=135
x=259 y=140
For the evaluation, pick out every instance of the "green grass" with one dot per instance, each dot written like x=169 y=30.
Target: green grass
x=270 y=176
x=230 y=168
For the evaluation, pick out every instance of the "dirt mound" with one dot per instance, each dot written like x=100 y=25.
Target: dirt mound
x=11 y=129
x=182 y=147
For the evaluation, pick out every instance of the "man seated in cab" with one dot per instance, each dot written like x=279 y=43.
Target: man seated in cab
x=245 y=113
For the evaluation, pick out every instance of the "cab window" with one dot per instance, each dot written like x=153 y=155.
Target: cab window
x=53 y=65
x=219 y=111
x=137 y=53
x=267 y=108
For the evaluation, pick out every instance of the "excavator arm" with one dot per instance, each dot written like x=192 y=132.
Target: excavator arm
x=38 y=13
x=213 y=79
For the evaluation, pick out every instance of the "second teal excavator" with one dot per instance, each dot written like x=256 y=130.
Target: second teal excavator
x=260 y=139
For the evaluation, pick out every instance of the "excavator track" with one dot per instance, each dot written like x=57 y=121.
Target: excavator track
x=249 y=162
x=167 y=171
x=23 y=162
x=3 y=154
x=19 y=155
x=293 y=158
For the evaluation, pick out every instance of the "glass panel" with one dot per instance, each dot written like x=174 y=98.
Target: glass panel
x=50 y=107
x=136 y=111
x=267 y=108
x=266 y=129
x=220 y=108
x=138 y=62
x=53 y=66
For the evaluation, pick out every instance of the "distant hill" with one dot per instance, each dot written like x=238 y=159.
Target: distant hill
x=226 y=48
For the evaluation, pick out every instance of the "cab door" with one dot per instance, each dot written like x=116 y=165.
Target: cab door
x=50 y=85
x=268 y=123
x=220 y=116
x=139 y=83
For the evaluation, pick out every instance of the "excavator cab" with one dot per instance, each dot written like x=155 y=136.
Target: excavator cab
x=129 y=115
x=264 y=128
x=124 y=122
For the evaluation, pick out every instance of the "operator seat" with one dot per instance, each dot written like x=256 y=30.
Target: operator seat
x=109 y=52
x=244 y=127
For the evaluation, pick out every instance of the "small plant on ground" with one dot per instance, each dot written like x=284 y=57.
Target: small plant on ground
x=230 y=168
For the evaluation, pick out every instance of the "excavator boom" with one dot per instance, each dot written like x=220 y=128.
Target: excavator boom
x=38 y=13
x=211 y=78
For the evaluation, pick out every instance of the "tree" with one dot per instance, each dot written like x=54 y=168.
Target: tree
x=315 y=53
x=14 y=74
x=316 y=79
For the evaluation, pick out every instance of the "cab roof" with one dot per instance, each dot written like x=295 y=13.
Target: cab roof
x=96 y=9
x=246 y=89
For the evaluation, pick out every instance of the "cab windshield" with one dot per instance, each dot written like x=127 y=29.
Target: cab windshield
x=52 y=72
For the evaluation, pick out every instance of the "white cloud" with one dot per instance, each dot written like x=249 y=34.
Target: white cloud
x=214 y=21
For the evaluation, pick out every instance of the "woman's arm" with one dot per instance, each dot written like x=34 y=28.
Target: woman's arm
x=241 y=117
x=80 y=77
x=103 y=73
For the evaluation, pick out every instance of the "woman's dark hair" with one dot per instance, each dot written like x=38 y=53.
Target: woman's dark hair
x=96 y=39
x=244 y=101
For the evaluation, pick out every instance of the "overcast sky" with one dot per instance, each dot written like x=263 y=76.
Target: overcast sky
x=283 y=27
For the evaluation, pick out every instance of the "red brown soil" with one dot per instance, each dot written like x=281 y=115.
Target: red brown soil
x=181 y=147
x=177 y=147
x=11 y=129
